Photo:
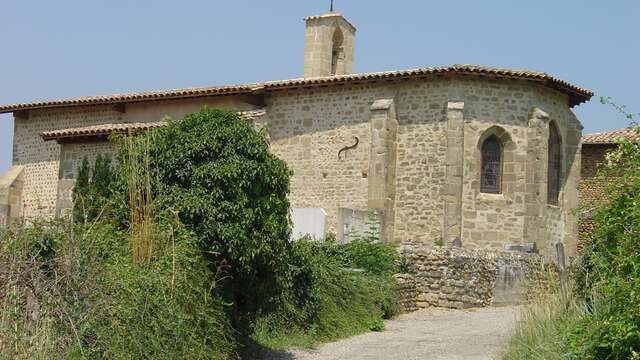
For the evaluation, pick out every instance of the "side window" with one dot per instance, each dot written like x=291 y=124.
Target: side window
x=554 y=165
x=491 y=166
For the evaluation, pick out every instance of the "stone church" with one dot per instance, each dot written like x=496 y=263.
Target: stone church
x=489 y=157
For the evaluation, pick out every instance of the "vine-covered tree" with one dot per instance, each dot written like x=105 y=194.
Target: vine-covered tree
x=215 y=172
x=92 y=189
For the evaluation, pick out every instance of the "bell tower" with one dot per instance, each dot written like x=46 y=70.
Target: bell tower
x=328 y=45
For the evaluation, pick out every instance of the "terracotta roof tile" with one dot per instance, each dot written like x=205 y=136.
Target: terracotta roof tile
x=576 y=94
x=100 y=130
x=610 y=137
x=105 y=130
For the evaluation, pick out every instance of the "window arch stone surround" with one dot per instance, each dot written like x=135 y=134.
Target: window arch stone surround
x=554 y=164
x=506 y=165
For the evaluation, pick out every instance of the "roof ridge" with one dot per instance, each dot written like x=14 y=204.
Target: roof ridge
x=577 y=94
x=610 y=136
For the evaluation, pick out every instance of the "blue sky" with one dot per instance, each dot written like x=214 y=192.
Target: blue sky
x=68 y=48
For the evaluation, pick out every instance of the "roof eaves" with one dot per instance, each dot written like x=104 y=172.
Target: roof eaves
x=576 y=94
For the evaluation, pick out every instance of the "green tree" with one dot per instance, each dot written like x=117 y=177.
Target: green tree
x=610 y=279
x=93 y=189
x=215 y=172
x=80 y=191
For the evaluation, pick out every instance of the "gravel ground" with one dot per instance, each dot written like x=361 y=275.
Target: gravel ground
x=429 y=334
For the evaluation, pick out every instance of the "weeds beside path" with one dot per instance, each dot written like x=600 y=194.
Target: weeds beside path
x=432 y=334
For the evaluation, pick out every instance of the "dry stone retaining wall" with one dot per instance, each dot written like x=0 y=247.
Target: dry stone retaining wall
x=463 y=278
x=407 y=292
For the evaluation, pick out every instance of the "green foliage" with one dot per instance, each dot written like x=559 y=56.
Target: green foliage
x=85 y=299
x=366 y=251
x=216 y=173
x=163 y=309
x=182 y=250
x=325 y=300
x=542 y=329
x=375 y=257
x=93 y=189
x=611 y=278
x=602 y=321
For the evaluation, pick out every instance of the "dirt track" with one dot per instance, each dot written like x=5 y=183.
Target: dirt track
x=433 y=335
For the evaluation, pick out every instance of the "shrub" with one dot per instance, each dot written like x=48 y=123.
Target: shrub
x=162 y=309
x=216 y=173
x=374 y=257
x=185 y=237
x=542 y=328
x=325 y=300
x=84 y=298
x=93 y=189
x=602 y=321
x=611 y=278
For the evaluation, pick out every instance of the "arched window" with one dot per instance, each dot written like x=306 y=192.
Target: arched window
x=336 y=51
x=553 y=165
x=491 y=166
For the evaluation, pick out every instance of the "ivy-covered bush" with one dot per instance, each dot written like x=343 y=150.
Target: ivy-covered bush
x=215 y=172
x=180 y=249
x=83 y=297
x=610 y=280
x=93 y=189
x=327 y=299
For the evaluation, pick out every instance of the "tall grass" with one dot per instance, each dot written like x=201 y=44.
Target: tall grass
x=142 y=229
x=543 y=323
x=36 y=319
x=541 y=329
x=326 y=300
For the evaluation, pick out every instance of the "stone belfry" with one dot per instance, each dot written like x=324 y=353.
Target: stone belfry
x=328 y=45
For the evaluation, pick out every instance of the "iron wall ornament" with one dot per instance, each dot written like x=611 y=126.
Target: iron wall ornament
x=348 y=148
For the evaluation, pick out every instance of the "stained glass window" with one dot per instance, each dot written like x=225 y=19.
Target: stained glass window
x=491 y=166
x=553 y=166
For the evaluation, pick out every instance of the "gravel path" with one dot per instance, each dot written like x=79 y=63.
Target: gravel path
x=430 y=334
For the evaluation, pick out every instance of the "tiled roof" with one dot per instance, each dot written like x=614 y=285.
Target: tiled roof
x=100 y=130
x=610 y=137
x=576 y=94
x=104 y=130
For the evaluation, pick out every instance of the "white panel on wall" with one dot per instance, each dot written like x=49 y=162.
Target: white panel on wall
x=308 y=221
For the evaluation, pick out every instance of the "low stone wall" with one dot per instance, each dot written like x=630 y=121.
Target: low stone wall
x=407 y=292
x=466 y=278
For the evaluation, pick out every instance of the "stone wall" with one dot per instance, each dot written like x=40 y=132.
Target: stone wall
x=463 y=278
x=427 y=131
x=591 y=187
x=320 y=34
x=71 y=156
x=11 y=184
x=593 y=155
x=407 y=292
x=307 y=129
x=41 y=159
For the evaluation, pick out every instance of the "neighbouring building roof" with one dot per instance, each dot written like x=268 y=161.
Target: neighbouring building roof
x=610 y=137
x=576 y=94
x=104 y=130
